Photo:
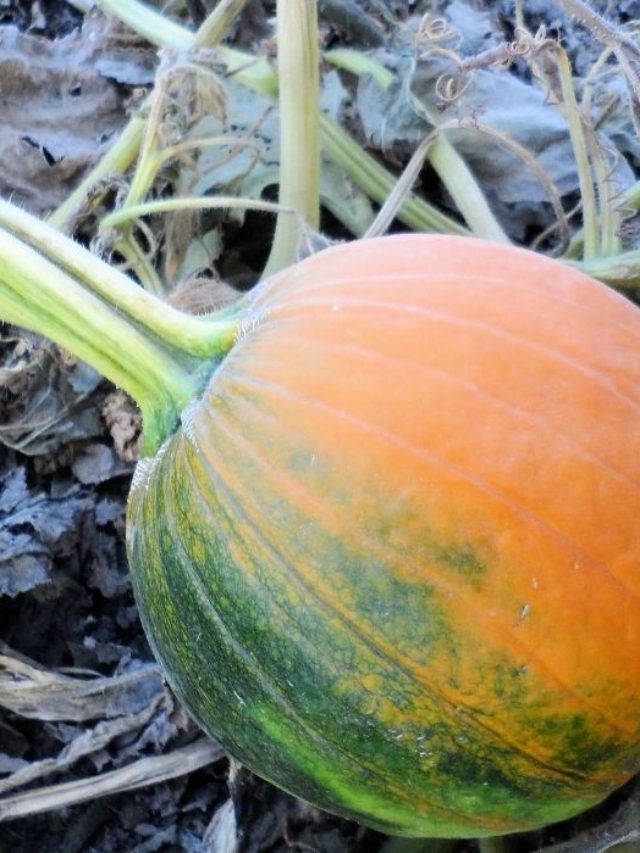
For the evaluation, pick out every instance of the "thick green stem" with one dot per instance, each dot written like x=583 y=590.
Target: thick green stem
x=159 y=355
x=193 y=335
x=299 y=103
x=37 y=295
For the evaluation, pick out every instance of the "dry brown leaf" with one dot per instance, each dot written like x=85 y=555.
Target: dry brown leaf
x=146 y=771
x=44 y=695
x=55 y=110
x=86 y=743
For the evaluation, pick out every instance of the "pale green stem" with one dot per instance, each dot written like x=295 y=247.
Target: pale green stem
x=172 y=151
x=149 y=160
x=389 y=209
x=216 y=25
x=159 y=30
x=363 y=169
x=253 y=72
x=578 y=141
x=609 y=219
x=116 y=161
x=167 y=205
x=460 y=182
x=628 y=201
x=530 y=162
x=37 y=295
x=378 y=183
x=622 y=270
x=359 y=64
x=611 y=212
x=193 y=335
x=148 y=23
x=138 y=261
x=447 y=163
x=299 y=110
x=147 y=167
x=465 y=191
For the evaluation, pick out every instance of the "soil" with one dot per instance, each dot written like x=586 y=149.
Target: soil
x=81 y=699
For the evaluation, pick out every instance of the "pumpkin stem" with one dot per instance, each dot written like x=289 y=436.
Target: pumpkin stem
x=53 y=286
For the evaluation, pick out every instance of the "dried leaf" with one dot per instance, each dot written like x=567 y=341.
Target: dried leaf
x=146 y=771
x=48 y=400
x=87 y=741
x=98 y=463
x=31 y=525
x=41 y=694
x=52 y=132
x=222 y=833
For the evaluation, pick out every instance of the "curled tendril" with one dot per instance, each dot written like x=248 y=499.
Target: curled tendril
x=450 y=87
x=436 y=30
x=437 y=38
x=529 y=43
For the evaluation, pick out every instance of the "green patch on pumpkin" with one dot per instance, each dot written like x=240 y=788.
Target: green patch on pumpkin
x=355 y=795
x=582 y=743
x=486 y=801
x=462 y=558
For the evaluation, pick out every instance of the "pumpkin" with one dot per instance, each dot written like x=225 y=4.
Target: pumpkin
x=390 y=557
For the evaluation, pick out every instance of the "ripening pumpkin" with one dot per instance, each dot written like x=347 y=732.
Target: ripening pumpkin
x=390 y=558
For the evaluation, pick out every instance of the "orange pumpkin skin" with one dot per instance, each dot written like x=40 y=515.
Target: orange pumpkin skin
x=391 y=557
